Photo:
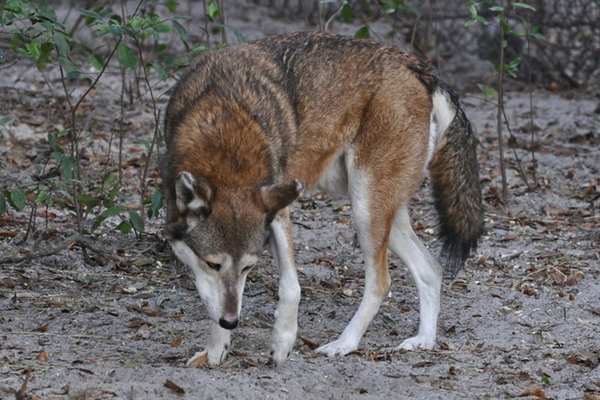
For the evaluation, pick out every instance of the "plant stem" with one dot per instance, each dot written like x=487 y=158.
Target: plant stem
x=154 y=136
x=533 y=140
x=502 y=21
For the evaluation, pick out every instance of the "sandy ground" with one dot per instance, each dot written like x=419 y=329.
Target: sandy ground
x=521 y=320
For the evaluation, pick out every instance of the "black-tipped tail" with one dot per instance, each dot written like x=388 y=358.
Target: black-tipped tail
x=454 y=174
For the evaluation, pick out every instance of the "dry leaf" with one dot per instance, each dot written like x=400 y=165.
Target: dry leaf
x=174 y=387
x=42 y=328
x=588 y=359
x=574 y=278
x=311 y=344
x=177 y=341
x=42 y=356
x=151 y=311
x=534 y=391
x=199 y=360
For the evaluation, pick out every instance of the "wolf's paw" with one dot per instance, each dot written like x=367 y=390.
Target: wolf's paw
x=338 y=347
x=206 y=357
x=417 y=342
x=283 y=342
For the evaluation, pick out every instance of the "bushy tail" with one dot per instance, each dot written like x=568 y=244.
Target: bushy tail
x=454 y=174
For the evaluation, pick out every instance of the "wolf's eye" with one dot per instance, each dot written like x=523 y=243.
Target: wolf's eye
x=214 y=266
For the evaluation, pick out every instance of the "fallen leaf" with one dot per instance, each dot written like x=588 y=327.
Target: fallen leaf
x=311 y=344
x=130 y=290
x=574 y=278
x=199 y=360
x=151 y=311
x=534 y=391
x=588 y=359
x=174 y=387
x=423 y=364
x=137 y=323
x=42 y=356
x=177 y=341
x=42 y=328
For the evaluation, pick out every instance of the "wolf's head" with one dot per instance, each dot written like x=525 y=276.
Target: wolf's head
x=220 y=235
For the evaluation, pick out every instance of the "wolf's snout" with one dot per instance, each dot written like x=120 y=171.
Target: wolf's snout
x=228 y=323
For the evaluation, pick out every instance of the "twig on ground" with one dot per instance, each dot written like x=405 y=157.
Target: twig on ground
x=65 y=244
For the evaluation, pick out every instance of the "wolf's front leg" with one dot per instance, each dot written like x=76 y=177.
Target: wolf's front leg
x=216 y=349
x=286 y=315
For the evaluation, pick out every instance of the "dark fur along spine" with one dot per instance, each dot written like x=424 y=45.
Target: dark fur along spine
x=454 y=174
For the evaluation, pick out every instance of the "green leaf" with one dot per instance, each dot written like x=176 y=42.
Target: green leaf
x=513 y=67
x=67 y=167
x=16 y=198
x=156 y=202
x=198 y=49
x=71 y=70
x=488 y=91
x=212 y=10
x=497 y=8
x=362 y=33
x=524 y=6
x=42 y=197
x=346 y=13
x=136 y=221
x=391 y=6
x=473 y=11
x=45 y=55
x=61 y=43
x=124 y=227
x=88 y=200
x=182 y=33
x=171 y=5
x=95 y=62
x=109 y=212
x=127 y=56
x=3 y=206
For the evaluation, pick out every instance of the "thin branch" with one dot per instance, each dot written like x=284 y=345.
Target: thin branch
x=333 y=16
x=154 y=136
x=76 y=239
x=500 y=108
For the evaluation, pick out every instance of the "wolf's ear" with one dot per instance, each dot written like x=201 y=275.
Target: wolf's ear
x=193 y=194
x=280 y=195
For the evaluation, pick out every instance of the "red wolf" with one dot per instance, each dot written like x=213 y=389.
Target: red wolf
x=250 y=127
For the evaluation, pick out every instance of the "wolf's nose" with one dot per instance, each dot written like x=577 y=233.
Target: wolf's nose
x=228 y=324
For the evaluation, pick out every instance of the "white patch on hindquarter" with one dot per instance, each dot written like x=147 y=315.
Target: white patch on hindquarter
x=442 y=114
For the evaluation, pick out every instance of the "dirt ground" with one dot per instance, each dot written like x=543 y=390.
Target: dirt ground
x=521 y=320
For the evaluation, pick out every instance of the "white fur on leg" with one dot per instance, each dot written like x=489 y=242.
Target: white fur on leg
x=286 y=315
x=427 y=274
x=372 y=296
x=216 y=349
x=356 y=328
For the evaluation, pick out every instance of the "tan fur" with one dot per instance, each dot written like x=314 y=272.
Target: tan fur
x=254 y=124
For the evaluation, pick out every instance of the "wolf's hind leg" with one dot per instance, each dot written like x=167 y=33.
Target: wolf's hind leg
x=372 y=233
x=216 y=349
x=427 y=275
x=286 y=315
